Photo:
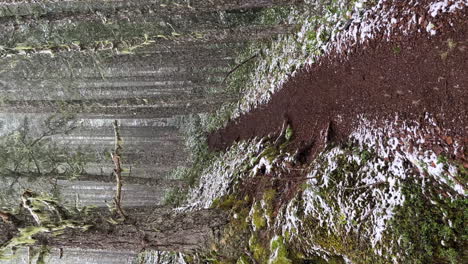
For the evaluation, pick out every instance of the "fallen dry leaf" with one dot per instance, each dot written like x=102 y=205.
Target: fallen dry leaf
x=449 y=140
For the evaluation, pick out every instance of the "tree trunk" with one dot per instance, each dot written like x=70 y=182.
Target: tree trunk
x=149 y=228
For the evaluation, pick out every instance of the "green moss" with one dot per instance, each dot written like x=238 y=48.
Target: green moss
x=274 y=15
x=396 y=50
x=258 y=218
x=289 y=133
x=270 y=153
x=242 y=260
x=330 y=260
x=341 y=244
x=269 y=196
x=330 y=242
x=335 y=240
x=430 y=229
x=260 y=253
x=225 y=202
x=42 y=255
x=279 y=252
x=175 y=197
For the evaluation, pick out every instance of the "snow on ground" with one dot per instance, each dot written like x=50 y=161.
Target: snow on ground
x=323 y=29
x=354 y=188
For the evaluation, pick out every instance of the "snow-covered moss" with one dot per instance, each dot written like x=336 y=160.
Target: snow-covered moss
x=217 y=179
x=369 y=202
x=428 y=227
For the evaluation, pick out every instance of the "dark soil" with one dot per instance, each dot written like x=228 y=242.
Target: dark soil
x=408 y=76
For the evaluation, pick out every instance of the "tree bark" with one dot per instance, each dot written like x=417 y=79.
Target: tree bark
x=145 y=229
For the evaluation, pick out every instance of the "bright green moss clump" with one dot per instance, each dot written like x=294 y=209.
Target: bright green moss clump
x=430 y=229
x=258 y=219
x=242 y=260
x=260 y=253
x=279 y=252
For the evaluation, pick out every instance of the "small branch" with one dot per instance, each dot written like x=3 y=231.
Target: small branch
x=15 y=181
x=37 y=140
x=52 y=131
x=247 y=252
x=365 y=186
x=118 y=170
x=296 y=178
x=18 y=163
x=38 y=169
x=238 y=66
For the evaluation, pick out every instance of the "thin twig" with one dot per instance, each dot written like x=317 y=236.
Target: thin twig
x=364 y=186
x=247 y=252
x=296 y=178
x=37 y=140
x=282 y=132
x=15 y=181
x=18 y=164
x=117 y=170
x=238 y=66
x=38 y=169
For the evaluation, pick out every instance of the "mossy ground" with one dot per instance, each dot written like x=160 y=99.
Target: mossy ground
x=429 y=227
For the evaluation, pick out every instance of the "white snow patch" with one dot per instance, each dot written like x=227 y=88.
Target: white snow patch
x=446 y=7
x=367 y=202
x=216 y=179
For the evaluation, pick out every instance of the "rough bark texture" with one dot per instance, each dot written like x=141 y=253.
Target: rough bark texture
x=156 y=228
